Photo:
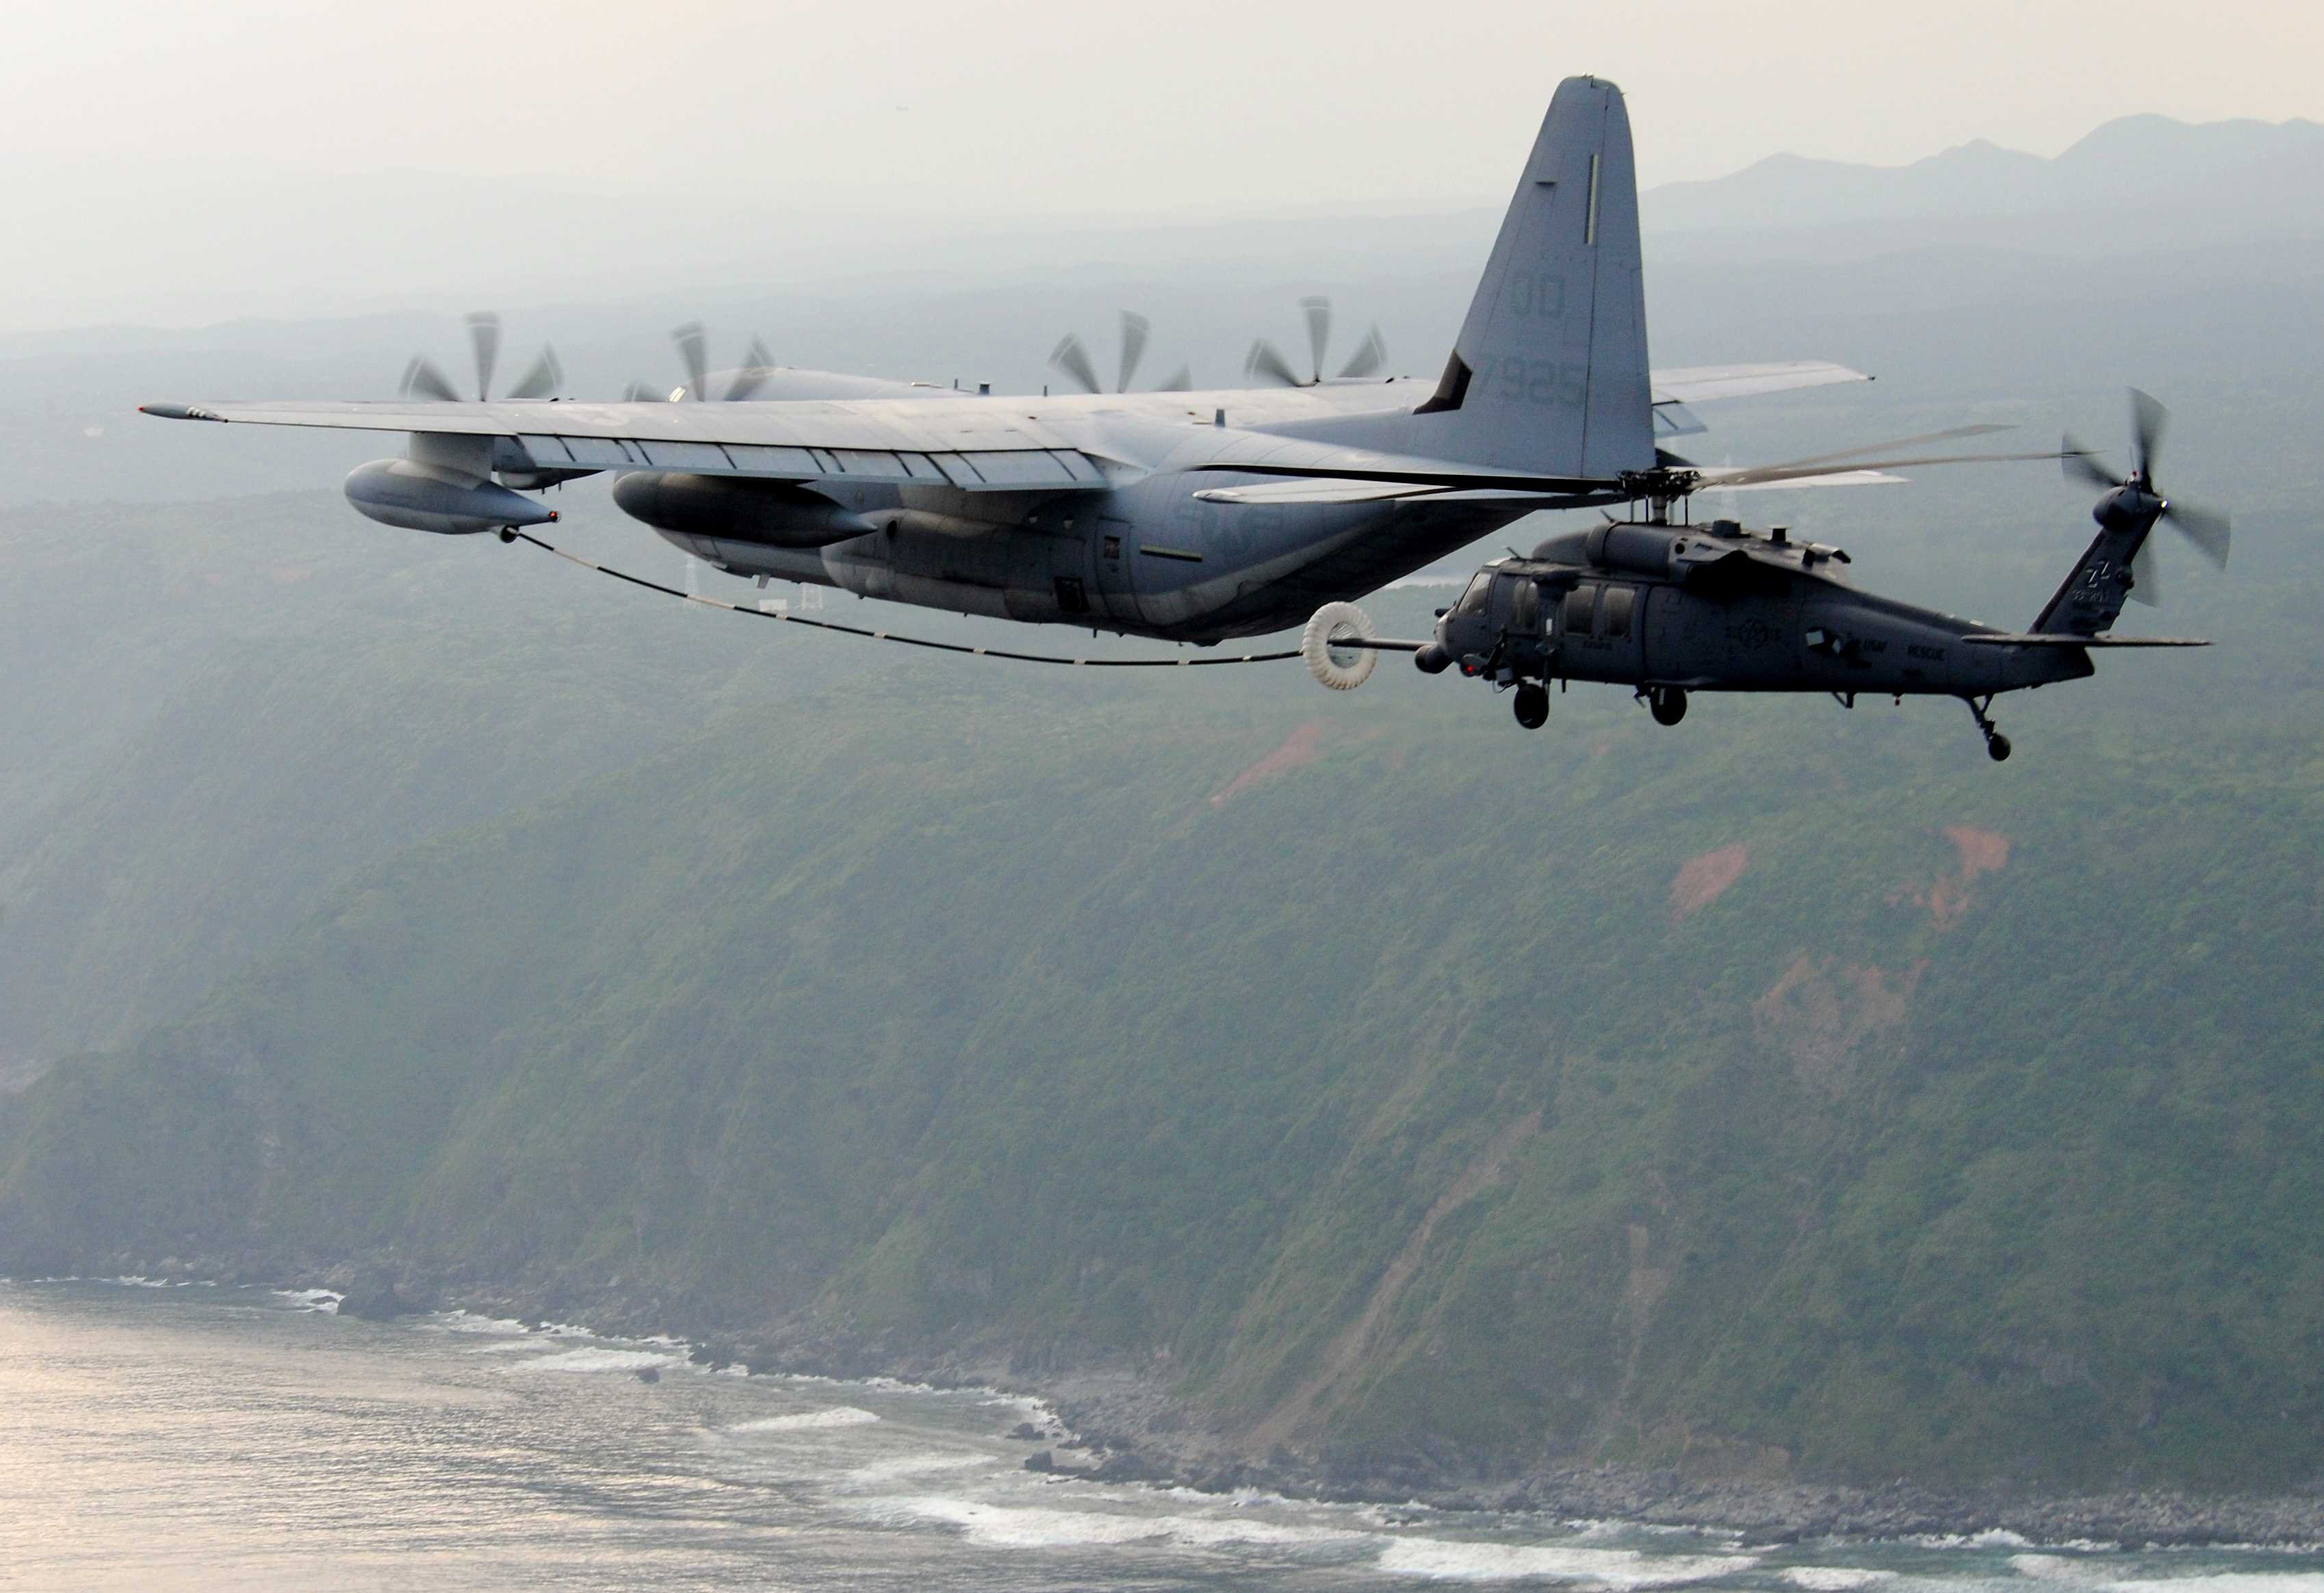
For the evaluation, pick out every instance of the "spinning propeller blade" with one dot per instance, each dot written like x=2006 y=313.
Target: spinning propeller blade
x=542 y=379
x=1266 y=360
x=422 y=380
x=2210 y=533
x=1181 y=380
x=2082 y=464
x=2148 y=422
x=691 y=348
x=1319 y=332
x=1370 y=354
x=1073 y=360
x=1135 y=329
x=758 y=365
x=485 y=338
x=2146 y=577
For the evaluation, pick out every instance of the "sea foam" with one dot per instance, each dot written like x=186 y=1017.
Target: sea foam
x=809 y=1421
x=1452 y=1560
x=1835 y=1579
x=598 y=1360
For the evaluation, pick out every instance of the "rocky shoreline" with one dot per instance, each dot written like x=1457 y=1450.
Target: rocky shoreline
x=1118 y=1423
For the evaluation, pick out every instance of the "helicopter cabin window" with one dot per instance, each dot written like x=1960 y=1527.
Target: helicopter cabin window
x=1525 y=609
x=1614 y=618
x=1472 y=602
x=1581 y=608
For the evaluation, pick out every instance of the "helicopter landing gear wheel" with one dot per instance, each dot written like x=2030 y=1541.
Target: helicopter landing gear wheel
x=1997 y=745
x=1532 y=704
x=1667 y=703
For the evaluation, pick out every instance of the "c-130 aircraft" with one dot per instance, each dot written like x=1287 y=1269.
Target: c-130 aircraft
x=1192 y=517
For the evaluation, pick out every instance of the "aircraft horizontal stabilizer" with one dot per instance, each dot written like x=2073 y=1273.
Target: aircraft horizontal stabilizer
x=1702 y=384
x=2038 y=638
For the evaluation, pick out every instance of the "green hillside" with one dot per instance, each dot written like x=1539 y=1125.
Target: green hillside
x=1793 y=1088
x=1790 y=1092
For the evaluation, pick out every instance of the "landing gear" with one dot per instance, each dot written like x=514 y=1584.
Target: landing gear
x=1532 y=704
x=1997 y=745
x=1667 y=703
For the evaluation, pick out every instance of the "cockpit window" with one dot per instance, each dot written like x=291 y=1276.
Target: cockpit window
x=1580 y=609
x=1472 y=602
x=1525 y=609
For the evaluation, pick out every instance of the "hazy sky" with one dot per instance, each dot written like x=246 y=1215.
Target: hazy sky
x=190 y=163
x=1097 y=104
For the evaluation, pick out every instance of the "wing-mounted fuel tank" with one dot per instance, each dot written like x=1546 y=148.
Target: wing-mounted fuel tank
x=769 y=514
x=444 y=484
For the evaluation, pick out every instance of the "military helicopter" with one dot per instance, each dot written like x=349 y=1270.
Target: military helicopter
x=1669 y=610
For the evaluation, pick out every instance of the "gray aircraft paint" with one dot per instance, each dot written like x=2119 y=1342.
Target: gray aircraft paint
x=1082 y=509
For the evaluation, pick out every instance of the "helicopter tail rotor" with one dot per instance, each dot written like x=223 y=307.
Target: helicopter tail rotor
x=2210 y=533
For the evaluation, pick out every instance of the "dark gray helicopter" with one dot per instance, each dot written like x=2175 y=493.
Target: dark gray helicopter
x=1674 y=609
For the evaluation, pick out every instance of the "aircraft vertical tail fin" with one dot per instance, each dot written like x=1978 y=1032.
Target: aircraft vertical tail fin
x=2091 y=599
x=1550 y=371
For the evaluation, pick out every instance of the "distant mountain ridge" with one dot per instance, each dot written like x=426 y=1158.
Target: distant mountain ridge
x=2271 y=174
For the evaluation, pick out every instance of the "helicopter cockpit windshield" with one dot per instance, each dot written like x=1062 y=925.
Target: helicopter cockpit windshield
x=1473 y=601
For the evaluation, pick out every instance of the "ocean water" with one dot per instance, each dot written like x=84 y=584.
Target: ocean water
x=192 y=1437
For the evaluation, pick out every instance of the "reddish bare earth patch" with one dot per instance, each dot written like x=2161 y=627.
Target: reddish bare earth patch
x=1823 y=1014
x=1981 y=852
x=1702 y=881
x=1304 y=746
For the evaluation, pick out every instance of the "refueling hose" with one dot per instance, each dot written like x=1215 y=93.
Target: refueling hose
x=512 y=534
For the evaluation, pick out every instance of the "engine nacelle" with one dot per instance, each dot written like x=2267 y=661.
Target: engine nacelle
x=422 y=496
x=1638 y=551
x=770 y=513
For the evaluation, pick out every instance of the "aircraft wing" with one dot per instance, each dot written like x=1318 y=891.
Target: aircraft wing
x=979 y=446
x=1702 y=384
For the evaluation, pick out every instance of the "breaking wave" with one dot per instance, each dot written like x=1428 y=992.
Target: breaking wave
x=809 y=1421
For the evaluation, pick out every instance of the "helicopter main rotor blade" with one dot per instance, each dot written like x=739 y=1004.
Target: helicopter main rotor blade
x=485 y=337
x=1370 y=354
x=1135 y=329
x=1267 y=361
x=1073 y=360
x=542 y=379
x=1319 y=331
x=691 y=349
x=1773 y=472
x=1954 y=435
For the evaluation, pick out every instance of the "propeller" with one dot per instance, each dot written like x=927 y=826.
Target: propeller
x=1266 y=362
x=1073 y=358
x=2209 y=532
x=692 y=347
x=424 y=379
